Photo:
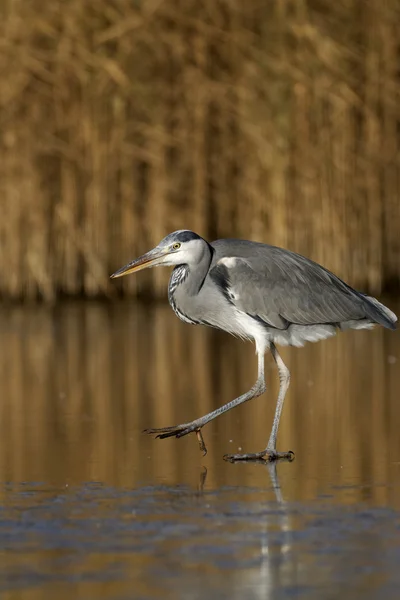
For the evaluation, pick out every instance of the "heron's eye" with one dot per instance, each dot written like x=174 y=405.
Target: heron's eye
x=176 y=246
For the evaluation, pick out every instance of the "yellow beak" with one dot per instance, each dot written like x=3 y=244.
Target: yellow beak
x=148 y=260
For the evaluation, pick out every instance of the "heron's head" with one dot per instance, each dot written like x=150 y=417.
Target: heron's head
x=178 y=248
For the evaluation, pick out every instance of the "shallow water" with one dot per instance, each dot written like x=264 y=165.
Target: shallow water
x=92 y=508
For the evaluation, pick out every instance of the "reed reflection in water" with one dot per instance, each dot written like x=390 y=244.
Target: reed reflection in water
x=81 y=381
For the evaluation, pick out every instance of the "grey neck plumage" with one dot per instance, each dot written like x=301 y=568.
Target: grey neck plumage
x=192 y=276
x=189 y=279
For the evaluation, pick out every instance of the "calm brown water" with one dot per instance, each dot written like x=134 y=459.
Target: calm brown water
x=92 y=508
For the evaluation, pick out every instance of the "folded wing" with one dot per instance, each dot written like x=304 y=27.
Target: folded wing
x=284 y=288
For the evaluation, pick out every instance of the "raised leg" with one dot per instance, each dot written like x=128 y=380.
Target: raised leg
x=270 y=452
x=195 y=426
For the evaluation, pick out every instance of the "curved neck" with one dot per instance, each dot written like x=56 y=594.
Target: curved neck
x=197 y=272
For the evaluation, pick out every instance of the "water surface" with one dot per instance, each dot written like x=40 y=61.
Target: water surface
x=92 y=508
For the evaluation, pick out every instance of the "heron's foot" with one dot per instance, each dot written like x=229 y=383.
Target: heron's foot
x=179 y=431
x=265 y=456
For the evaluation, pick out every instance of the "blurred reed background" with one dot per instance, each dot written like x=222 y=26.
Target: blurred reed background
x=122 y=120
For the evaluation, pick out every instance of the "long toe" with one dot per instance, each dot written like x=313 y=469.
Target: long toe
x=175 y=431
x=164 y=432
x=264 y=456
x=179 y=431
x=272 y=455
x=254 y=456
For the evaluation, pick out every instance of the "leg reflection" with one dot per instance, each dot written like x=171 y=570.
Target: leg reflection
x=273 y=475
x=276 y=541
x=274 y=552
x=202 y=479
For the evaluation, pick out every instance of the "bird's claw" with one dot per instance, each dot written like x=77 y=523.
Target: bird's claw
x=202 y=446
x=164 y=432
x=179 y=431
x=264 y=456
x=174 y=431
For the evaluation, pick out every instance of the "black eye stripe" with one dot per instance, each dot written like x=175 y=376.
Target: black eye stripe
x=186 y=236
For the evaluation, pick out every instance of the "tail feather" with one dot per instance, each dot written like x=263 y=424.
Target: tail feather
x=380 y=313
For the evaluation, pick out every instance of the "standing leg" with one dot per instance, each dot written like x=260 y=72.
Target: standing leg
x=284 y=380
x=270 y=452
x=195 y=426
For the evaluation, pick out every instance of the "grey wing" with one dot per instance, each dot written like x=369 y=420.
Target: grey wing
x=287 y=288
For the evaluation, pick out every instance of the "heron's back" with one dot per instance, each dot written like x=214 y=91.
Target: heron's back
x=283 y=288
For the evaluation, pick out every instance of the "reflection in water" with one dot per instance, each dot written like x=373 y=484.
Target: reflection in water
x=80 y=383
x=97 y=541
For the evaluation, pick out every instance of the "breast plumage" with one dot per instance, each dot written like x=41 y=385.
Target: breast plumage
x=178 y=276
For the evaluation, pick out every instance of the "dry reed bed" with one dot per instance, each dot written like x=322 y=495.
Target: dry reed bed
x=122 y=120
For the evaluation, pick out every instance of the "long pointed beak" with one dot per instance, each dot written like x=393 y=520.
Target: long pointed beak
x=150 y=259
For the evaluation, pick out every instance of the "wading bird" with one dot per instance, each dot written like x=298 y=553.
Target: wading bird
x=258 y=292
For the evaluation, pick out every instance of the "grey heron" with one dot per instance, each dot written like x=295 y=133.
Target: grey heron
x=263 y=293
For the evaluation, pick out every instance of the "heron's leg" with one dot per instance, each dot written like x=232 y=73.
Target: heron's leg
x=270 y=452
x=181 y=430
x=284 y=381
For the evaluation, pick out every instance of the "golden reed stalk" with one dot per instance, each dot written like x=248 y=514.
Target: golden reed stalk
x=123 y=120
